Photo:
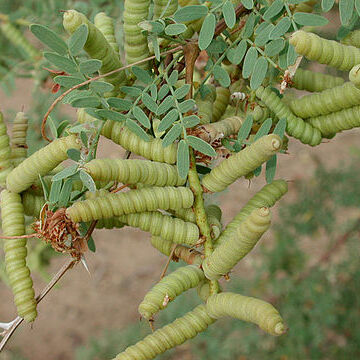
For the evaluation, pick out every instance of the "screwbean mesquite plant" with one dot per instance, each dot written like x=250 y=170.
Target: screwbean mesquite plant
x=201 y=81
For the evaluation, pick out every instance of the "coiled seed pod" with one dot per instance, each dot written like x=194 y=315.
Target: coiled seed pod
x=132 y=171
x=336 y=122
x=169 y=336
x=328 y=52
x=32 y=204
x=314 y=81
x=266 y=197
x=19 y=40
x=121 y=135
x=97 y=47
x=354 y=75
x=242 y=163
x=205 y=106
x=214 y=214
x=186 y=214
x=187 y=254
x=326 y=102
x=40 y=163
x=221 y=103
x=248 y=309
x=170 y=287
x=13 y=224
x=18 y=139
x=230 y=252
x=220 y=129
x=260 y=113
x=5 y=152
x=352 y=39
x=106 y=25
x=165 y=8
x=171 y=229
x=147 y=199
x=295 y=126
x=136 y=44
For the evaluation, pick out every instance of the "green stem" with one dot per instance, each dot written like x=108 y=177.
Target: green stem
x=200 y=214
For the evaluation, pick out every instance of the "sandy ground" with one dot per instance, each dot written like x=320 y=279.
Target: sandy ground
x=125 y=265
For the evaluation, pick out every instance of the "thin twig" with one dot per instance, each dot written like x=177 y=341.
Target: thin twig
x=168 y=261
x=68 y=265
x=52 y=106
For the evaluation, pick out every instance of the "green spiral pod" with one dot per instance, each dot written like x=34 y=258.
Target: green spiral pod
x=203 y=290
x=171 y=229
x=32 y=204
x=247 y=309
x=220 y=129
x=165 y=8
x=40 y=163
x=352 y=39
x=205 y=106
x=18 y=139
x=13 y=224
x=186 y=214
x=336 y=122
x=314 y=81
x=147 y=199
x=133 y=171
x=329 y=52
x=19 y=40
x=266 y=197
x=259 y=113
x=121 y=135
x=97 y=47
x=221 y=103
x=327 y=101
x=5 y=152
x=230 y=252
x=170 y=287
x=136 y=44
x=171 y=335
x=242 y=163
x=106 y=25
x=214 y=215
x=295 y=126
x=185 y=253
x=354 y=75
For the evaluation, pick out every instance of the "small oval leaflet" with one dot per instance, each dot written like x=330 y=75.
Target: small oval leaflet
x=168 y=120
x=120 y=104
x=190 y=13
x=183 y=160
x=274 y=9
x=207 y=31
x=141 y=117
x=78 y=39
x=280 y=28
x=222 y=76
x=249 y=62
x=49 y=38
x=200 y=145
x=175 y=29
x=259 y=73
x=62 y=62
x=90 y=66
x=229 y=14
x=137 y=130
x=172 y=135
x=309 y=19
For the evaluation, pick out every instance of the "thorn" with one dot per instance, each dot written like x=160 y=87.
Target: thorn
x=83 y=261
x=7 y=326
